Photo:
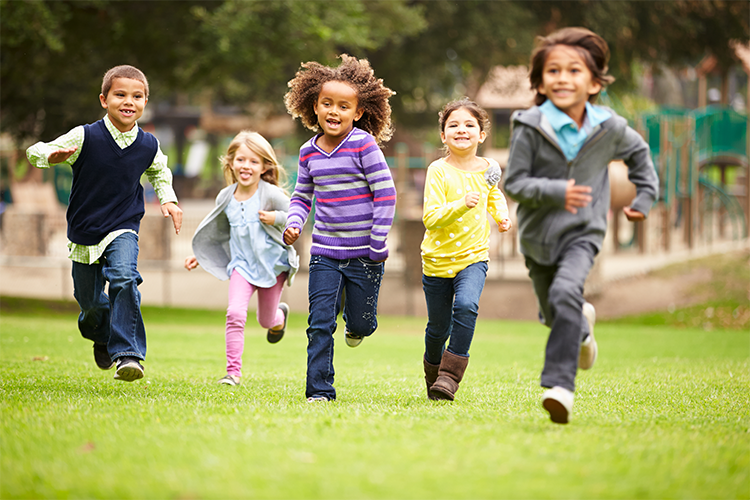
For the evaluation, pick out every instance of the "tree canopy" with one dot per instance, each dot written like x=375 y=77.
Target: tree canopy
x=54 y=53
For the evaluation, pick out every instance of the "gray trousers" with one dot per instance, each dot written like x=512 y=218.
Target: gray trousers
x=559 y=290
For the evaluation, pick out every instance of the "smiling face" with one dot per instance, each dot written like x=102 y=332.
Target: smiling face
x=124 y=102
x=568 y=82
x=462 y=133
x=247 y=167
x=337 y=110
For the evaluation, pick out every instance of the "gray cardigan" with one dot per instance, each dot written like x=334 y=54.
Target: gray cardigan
x=537 y=175
x=211 y=239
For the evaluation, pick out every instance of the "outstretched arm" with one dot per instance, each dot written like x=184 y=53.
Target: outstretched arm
x=64 y=149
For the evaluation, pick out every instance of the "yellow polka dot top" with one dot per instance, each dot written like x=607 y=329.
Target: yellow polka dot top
x=457 y=236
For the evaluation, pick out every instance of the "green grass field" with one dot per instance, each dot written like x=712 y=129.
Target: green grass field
x=663 y=414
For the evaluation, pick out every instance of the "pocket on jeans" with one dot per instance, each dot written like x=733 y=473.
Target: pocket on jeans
x=369 y=262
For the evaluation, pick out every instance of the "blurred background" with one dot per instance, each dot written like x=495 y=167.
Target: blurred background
x=218 y=67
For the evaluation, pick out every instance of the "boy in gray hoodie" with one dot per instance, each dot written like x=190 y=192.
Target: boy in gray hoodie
x=558 y=174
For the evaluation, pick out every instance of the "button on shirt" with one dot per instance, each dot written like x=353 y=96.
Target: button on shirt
x=569 y=137
x=255 y=255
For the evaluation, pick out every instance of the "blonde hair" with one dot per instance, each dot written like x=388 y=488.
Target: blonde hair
x=260 y=146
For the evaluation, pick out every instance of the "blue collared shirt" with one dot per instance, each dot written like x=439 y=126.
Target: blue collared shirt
x=569 y=137
x=255 y=255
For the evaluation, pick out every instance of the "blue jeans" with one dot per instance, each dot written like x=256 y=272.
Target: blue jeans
x=452 y=308
x=356 y=283
x=559 y=290
x=114 y=320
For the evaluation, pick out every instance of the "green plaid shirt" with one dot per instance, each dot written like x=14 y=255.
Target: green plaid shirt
x=158 y=175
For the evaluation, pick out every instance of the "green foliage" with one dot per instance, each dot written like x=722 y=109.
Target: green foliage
x=663 y=414
x=244 y=51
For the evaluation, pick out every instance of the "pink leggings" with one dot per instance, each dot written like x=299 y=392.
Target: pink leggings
x=269 y=315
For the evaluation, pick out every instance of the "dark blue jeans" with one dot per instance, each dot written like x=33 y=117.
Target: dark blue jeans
x=113 y=319
x=356 y=283
x=452 y=308
x=559 y=290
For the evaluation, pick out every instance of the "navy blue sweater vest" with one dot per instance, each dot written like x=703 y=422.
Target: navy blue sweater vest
x=106 y=194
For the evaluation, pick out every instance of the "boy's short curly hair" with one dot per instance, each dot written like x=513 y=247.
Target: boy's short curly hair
x=590 y=46
x=372 y=95
x=123 y=71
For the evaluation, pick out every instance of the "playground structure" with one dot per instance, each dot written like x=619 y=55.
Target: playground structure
x=701 y=157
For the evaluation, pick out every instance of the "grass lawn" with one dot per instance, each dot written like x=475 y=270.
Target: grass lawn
x=663 y=414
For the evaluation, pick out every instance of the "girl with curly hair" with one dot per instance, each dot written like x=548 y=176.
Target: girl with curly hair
x=344 y=170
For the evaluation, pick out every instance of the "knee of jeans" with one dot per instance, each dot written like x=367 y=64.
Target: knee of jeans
x=124 y=278
x=463 y=306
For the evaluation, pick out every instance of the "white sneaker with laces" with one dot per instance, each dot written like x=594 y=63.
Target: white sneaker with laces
x=589 y=349
x=558 y=401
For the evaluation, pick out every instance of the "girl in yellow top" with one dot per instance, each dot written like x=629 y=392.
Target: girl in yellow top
x=458 y=190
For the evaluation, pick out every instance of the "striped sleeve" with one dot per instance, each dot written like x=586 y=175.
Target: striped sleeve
x=379 y=178
x=300 y=203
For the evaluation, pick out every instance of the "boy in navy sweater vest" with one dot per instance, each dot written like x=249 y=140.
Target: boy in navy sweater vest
x=105 y=208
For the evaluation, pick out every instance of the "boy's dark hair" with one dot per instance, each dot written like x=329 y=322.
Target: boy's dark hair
x=123 y=71
x=591 y=47
x=372 y=95
x=475 y=109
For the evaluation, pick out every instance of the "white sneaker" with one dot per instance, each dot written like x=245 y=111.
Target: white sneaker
x=589 y=349
x=558 y=401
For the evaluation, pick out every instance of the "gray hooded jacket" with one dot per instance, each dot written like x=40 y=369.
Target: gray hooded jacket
x=538 y=172
x=211 y=239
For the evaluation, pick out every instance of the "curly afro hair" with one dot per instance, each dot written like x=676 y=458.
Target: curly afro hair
x=372 y=95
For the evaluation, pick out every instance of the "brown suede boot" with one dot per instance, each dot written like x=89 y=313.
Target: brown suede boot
x=430 y=375
x=452 y=369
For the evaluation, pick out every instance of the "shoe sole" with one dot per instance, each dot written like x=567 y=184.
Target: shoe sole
x=591 y=351
x=437 y=394
x=128 y=374
x=353 y=342
x=273 y=337
x=557 y=412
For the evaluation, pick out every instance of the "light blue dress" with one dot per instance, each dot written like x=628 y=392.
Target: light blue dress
x=255 y=255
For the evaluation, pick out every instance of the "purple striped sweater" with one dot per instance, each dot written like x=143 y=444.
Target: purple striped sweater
x=355 y=198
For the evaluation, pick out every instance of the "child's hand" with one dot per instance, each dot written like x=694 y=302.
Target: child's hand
x=471 y=199
x=61 y=155
x=505 y=225
x=633 y=215
x=267 y=217
x=172 y=209
x=291 y=235
x=576 y=196
x=191 y=262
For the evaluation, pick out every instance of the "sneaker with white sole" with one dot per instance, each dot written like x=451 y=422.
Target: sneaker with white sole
x=128 y=369
x=589 y=349
x=558 y=401
x=229 y=380
x=353 y=340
